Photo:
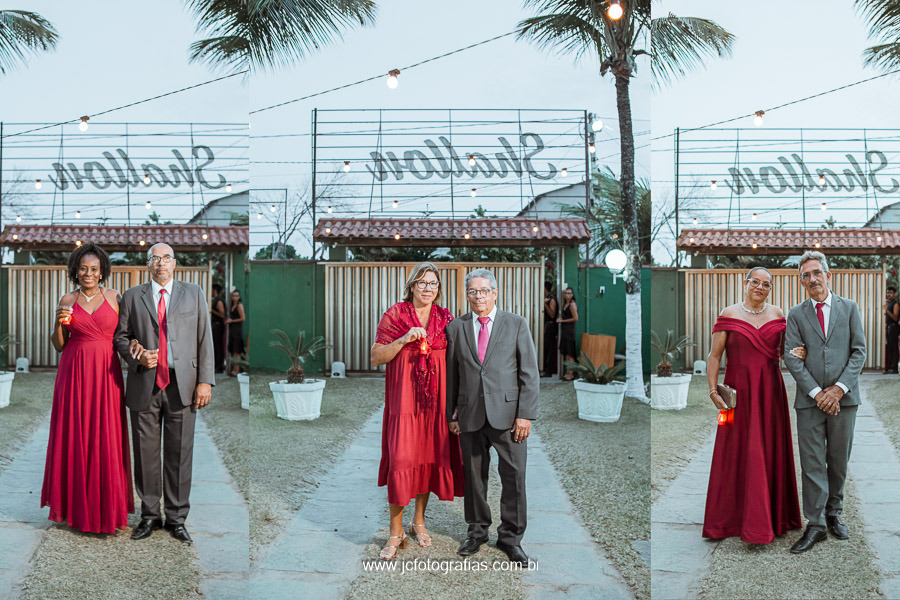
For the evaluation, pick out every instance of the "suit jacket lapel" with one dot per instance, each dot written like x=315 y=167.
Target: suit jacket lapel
x=810 y=311
x=837 y=308
x=469 y=334
x=495 y=329
x=177 y=293
x=147 y=295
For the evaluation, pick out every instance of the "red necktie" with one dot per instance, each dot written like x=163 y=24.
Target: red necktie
x=162 y=363
x=821 y=316
x=483 y=336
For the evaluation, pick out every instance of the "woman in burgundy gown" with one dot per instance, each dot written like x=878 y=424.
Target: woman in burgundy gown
x=87 y=476
x=752 y=483
x=419 y=455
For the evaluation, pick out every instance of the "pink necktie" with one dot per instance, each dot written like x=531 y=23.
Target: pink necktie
x=821 y=316
x=162 y=361
x=483 y=336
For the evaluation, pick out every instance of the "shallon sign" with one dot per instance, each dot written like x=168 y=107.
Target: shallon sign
x=420 y=166
x=776 y=182
x=124 y=173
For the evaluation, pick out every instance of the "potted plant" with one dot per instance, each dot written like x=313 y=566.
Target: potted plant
x=599 y=390
x=6 y=377
x=243 y=380
x=297 y=398
x=669 y=391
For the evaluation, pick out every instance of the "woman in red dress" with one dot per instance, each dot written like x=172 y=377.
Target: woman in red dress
x=419 y=455
x=87 y=476
x=752 y=483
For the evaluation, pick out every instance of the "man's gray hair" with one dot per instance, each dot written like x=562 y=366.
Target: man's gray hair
x=150 y=249
x=481 y=273
x=755 y=269
x=813 y=255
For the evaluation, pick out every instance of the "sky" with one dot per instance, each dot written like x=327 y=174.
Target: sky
x=110 y=54
x=783 y=52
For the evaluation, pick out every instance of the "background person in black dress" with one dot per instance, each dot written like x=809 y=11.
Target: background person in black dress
x=551 y=330
x=567 y=335
x=235 y=331
x=217 y=320
x=892 y=318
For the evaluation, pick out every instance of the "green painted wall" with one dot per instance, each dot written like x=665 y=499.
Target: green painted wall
x=4 y=314
x=667 y=305
x=287 y=295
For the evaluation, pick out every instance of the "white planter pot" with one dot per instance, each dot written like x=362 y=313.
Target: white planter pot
x=298 y=401
x=6 y=379
x=669 y=393
x=599 y=403
x=244 y=381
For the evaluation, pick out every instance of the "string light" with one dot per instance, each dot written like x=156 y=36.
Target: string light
x=466 y=236
x=18 y=218
x=614 y=11
x=330 y=209
x=473 y=193
x=535 y=228
x=328 y=230
x=591 y=148
x=146 y=178
x=346 y=166
x=259 y=215
x=564 y=172
x=37 y=184
x=272 y=208
x=392 y=81
x=878 y=238
x=695 y=220
x=83 y=126
x=78 y=243
x=394 y=203
x=754 y=245
x=77 y=214
x=205 y=236
x=754 y=216
x=396 y=236
x=691 y=240
x=148 y=205
x=824 y=207
x=228 y=188
x=713 y=185
x=758 y=119
x=15 y=236
x=615 y=236
x=597 y=125
x=818 y=245
x=821 y=179
x=142 y=242
x=471 y=160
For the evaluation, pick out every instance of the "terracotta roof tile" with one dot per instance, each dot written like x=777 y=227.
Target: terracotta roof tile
x=516 y=231
x=121 y=238
x=790 y=241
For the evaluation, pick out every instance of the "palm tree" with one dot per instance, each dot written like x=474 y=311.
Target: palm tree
x=267 y=34
x=583 y=28
x=681 y=44
x=884 y=25
x=22 y=33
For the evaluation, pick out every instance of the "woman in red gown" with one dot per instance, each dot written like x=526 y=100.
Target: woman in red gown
x=419 y=455
x=87 y=476
x=752 y=484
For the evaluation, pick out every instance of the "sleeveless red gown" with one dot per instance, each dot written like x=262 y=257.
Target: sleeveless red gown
x=752 y=483
x=418 y=452
x=87 y=476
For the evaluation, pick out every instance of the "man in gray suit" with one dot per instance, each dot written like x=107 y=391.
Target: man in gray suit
x=827 y=395
x=165 y=387
x=492 y=397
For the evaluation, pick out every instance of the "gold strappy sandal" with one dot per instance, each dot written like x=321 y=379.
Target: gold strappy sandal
x=422 y=539
x=387 y=554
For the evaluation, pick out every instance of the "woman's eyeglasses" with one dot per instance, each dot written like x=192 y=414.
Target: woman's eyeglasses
x=429 y=285
x=757 y=283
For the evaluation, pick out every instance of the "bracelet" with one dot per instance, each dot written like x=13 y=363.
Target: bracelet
x=711 y=392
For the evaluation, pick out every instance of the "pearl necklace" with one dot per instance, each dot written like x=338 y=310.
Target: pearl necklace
x=754 y=312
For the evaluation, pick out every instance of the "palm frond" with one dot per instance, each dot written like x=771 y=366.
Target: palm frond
x=884 y=56
x=23 y=33
x=682 y=44
x=229 y=53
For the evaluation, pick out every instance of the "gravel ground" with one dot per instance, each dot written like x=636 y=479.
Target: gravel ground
x=676 y=434
x=229 y=427
x=29 y=404
x=605 y=470
x=883 y=395
x=833 y=569
x=290 y=457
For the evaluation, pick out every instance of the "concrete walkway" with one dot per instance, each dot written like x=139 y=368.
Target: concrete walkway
x=316 y=557
x=218 y=521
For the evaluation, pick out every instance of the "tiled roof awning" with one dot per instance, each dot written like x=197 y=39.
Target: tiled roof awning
x=438 y=233
x=112 y=238
x=790 y=241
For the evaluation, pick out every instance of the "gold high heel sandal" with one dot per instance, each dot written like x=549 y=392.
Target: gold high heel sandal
x=391 y=555
x=422 y=539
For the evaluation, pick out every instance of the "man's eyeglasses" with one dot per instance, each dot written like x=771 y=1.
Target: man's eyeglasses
x=476 y=293
x=757 y=283
x=161 y=260
x=429 y=285
x=818 y=274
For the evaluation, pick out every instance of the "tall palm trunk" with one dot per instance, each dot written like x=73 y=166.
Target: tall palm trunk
x=634 y=370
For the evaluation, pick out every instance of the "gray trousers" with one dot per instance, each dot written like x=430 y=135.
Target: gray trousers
x=824 y=442
x=476 y=452
x=167 y=416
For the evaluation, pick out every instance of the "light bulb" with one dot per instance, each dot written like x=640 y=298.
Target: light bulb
x=148 y=205
x=15 y=236
x=695 y=220
x=259 y=215
x=205 y=236
x=818 y=245
x=564 y=172
x=471 y=160
x=713 y=185
x=18 y=218
x=392 y=81
x=77 y=214
x=328 y=230
x=753 y=217
x=758 y=119
x=754 y=245
x=824 y=207
x=346 y=166
x=396 y=236
x=394 y=203
x=83 y=126
x=141 y=242
x=473 y=193
x=534 y=228
x=272 y=208
x=597 y=125
x=614 y=11
x=37 y=184
x=466 y=236
x=592 y=148
x=146 y=178
x=822 y=179
x=878 y=238
x=228 y=188
x=691 y=240
x=330 y=210
x=78 y=243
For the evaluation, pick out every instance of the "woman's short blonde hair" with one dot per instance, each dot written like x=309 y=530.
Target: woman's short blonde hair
x=416 y=274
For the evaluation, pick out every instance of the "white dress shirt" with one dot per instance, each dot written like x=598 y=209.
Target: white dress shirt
x=490 y=324
x=155 y=287
x=826 y=313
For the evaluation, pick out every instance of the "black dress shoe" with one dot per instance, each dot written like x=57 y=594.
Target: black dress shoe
x=470 y=546
x=515 y=553
x=145 y=528
x=809 y=539
x=179 y=533
x=837 y=527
